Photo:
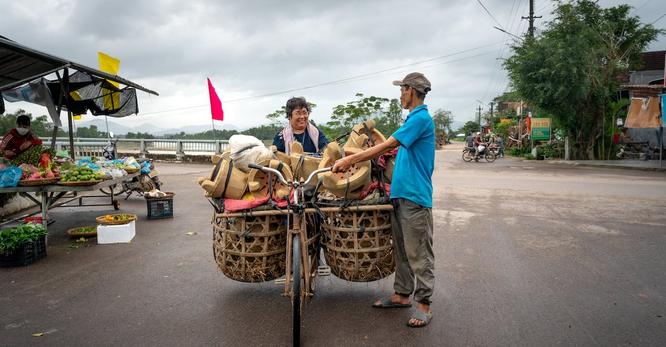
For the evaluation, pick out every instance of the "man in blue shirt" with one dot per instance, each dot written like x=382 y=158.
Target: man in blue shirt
x=411 y=195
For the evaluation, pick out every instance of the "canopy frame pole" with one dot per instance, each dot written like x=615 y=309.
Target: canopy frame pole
x=70 y=120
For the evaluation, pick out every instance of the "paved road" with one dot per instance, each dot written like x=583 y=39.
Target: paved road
x=528 y=253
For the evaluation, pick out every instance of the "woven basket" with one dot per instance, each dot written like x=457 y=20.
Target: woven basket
x=102 y=221
x=79 y=183
x=130 y=169
x=41 y=182
x=73 y=234
x=250 y=249
x=358 y=244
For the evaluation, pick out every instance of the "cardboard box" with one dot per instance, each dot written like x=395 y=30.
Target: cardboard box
x=123 y=233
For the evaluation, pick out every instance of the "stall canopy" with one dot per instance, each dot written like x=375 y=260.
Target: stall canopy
x=76 y=89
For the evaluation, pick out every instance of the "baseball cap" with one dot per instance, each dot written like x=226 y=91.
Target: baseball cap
x=415 y=80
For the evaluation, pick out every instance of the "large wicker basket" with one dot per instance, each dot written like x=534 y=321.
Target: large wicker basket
x=250 y=248
x=358 y=244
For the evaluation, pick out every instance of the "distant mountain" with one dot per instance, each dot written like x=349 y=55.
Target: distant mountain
x=152 y=129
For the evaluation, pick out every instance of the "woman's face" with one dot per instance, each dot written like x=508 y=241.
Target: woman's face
x=299 y=119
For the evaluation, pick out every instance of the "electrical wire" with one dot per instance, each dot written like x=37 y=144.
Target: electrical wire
x=339 y=81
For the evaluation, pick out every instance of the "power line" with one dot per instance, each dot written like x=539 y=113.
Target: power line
x=339 y=81
x=488 y=12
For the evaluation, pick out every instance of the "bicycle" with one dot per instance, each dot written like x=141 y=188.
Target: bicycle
x=299 y=283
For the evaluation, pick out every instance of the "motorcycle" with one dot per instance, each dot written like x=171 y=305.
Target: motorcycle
x=146 y=181
x=469 y=154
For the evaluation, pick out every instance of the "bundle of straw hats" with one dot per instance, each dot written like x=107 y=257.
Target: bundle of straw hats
x=225 y=181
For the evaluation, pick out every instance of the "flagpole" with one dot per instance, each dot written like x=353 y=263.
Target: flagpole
x=212 y=121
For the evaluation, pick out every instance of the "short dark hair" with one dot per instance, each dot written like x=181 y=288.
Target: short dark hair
x=23 y=120
x=419 y=95
x=296 y=103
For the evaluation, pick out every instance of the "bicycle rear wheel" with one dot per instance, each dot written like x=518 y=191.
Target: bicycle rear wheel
x=296 y=291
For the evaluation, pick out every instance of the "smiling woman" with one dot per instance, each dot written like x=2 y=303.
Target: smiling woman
x=300 y=129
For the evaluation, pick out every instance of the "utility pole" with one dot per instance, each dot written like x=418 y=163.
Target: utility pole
x=531 y=18
x=479 y=118
x=492 y=104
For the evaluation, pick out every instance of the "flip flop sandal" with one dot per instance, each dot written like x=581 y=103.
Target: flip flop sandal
x=387 y=303
x=419 y=315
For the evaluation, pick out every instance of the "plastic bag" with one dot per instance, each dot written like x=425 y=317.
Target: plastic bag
x=145 y=168
x=10 y=176
x=86 y=162
x=247 y=150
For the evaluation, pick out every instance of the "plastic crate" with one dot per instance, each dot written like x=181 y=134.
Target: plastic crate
x=27 y=254
x=160 y=207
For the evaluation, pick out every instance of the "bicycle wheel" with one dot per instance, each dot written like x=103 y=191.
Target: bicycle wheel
x=490 y=157
x=117 y=189
x=296 y=291
x=467 y=156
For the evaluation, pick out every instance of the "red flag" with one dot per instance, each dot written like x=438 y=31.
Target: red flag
x=215 y=104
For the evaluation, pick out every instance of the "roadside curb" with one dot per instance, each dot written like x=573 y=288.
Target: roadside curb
x=605 y=166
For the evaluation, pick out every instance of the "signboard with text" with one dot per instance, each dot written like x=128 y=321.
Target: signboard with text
x=540 y=129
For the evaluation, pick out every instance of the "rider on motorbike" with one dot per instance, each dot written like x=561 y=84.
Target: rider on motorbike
x=478 y=144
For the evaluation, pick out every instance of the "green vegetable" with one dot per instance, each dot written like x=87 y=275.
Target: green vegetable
x=12 y=238
x=31 y=155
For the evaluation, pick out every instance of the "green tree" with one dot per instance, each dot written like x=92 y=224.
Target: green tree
x=571 y=70
x=387 y=114
x=443 y=120
x=469 y=128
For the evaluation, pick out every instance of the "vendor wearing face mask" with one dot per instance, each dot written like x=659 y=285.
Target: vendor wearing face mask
x=300 y=129
x=19 y=139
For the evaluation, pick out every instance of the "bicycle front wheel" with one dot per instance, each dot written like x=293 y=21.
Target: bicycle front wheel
x=296 y=291
x=490 y=157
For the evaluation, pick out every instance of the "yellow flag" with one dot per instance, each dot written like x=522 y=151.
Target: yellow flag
x=76 y=96
x=110 y=65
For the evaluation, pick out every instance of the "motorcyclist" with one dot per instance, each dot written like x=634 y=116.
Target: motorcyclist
x=479 y=146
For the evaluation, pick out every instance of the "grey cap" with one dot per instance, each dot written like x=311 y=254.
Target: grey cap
x=415 y=80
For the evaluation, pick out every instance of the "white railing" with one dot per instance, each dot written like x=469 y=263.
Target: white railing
x=142 y=147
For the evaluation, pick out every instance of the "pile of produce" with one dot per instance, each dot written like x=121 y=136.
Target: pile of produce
x=32 y=155
x=82 y=174
x=13 y=238
x=44 y=170
x=89 y=231
x=121 y=218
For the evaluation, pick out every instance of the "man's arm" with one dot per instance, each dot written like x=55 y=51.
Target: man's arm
x=345 y=163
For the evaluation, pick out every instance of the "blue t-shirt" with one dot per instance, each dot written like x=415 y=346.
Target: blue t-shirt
x=412 y=173
x=304 y=139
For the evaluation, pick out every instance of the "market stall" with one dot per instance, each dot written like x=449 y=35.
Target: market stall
x=58 y=84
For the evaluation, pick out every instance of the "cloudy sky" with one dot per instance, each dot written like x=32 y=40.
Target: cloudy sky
x=326 y=51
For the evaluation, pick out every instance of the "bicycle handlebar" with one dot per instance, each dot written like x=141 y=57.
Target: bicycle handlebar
x=281 y=178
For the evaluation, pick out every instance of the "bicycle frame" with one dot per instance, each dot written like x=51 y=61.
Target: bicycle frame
x=296 y=227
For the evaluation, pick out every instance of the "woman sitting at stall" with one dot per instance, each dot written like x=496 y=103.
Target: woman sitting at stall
x=300 y=129
x=19 y=139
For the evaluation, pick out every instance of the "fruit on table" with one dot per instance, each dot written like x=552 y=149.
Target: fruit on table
x=81 y=174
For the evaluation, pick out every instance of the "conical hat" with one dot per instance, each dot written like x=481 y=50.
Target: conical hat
x=226 y=181
x=258 y=180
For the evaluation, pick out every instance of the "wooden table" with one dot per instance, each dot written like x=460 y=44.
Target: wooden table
x=48 y=195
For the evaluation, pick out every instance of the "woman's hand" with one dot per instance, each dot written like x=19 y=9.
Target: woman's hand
x=25 y=145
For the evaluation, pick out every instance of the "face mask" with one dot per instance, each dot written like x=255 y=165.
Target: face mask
x=22 y=131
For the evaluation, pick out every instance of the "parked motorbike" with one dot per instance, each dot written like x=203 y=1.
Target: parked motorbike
x=469 y=154
x=146 y=181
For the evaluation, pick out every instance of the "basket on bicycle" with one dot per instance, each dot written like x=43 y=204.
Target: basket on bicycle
x=250 y=248
x=357 y=242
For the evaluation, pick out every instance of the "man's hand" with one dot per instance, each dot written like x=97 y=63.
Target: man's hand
x=25 y=145
x=7 y=153
x=341 y=165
